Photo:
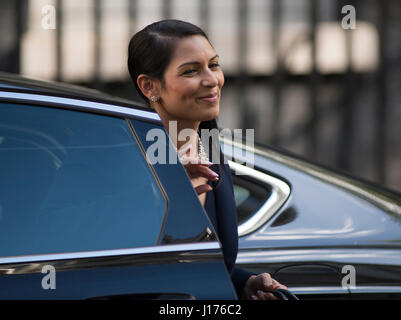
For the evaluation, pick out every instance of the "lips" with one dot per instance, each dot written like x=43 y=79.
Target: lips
x=209 y=98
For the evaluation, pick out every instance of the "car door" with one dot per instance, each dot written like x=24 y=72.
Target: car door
x=83 y=214
x=260 y=196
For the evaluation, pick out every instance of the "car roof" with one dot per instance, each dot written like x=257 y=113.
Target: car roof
x=18 y=83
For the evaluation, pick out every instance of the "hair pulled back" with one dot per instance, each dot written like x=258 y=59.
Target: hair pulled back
x=150 y=51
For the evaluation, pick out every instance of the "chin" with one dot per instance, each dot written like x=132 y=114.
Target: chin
x=213 y=114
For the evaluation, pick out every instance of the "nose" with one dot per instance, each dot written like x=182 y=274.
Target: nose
x=210 y=79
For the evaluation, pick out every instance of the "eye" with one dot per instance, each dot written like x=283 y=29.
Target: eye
x=214 y=65
x=189 y=71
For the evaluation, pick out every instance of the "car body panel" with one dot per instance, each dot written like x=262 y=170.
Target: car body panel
x=328 y=221
x=170 y=269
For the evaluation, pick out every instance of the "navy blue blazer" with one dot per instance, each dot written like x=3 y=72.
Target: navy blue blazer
x=222 y=211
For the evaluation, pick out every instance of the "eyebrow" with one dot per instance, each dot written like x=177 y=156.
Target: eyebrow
x=196 y=62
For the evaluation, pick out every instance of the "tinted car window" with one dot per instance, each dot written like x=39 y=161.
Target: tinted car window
x=193 y=225
x=73 y=181
x=249 y=196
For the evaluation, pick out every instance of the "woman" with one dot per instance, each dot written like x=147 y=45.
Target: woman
x=175 y=68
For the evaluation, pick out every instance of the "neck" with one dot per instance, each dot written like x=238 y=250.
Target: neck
x=188 y=129
x=181 y=132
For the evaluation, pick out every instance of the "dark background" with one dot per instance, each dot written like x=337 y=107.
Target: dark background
x=293 y=73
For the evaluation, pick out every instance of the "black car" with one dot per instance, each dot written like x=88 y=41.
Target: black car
x=84 y=214
x=322 y=233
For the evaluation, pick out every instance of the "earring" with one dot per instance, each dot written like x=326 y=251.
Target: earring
x=154 y=99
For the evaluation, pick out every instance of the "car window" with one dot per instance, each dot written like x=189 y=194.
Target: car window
x=258 y=195
x=186 y=219
x=249 y=196
x=73 y=181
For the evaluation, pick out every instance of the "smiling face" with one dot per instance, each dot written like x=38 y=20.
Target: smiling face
x=192 y=82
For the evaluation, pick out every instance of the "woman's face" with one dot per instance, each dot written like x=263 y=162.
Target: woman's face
x=192 y=81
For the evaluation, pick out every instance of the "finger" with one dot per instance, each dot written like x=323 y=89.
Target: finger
x=194 y=161
x=267 y=281
x=207 y=173
x=261 y=295
x=278 y=285
x=203 y=188
x=266 y=295
x=196 y=171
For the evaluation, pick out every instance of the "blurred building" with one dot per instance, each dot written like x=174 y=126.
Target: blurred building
x=293 y=72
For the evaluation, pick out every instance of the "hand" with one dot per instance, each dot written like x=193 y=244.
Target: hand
x=197 y=168
x=256 y=285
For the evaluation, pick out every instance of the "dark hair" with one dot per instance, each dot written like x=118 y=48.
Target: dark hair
x=150 y=51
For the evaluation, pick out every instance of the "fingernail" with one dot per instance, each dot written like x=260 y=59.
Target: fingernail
x=254 y=298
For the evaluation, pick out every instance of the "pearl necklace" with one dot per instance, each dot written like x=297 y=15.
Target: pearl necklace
x=201 y=150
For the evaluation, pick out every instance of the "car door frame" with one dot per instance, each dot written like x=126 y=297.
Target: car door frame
x=198 y=261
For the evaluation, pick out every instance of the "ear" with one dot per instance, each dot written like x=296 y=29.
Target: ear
x=148 y=85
